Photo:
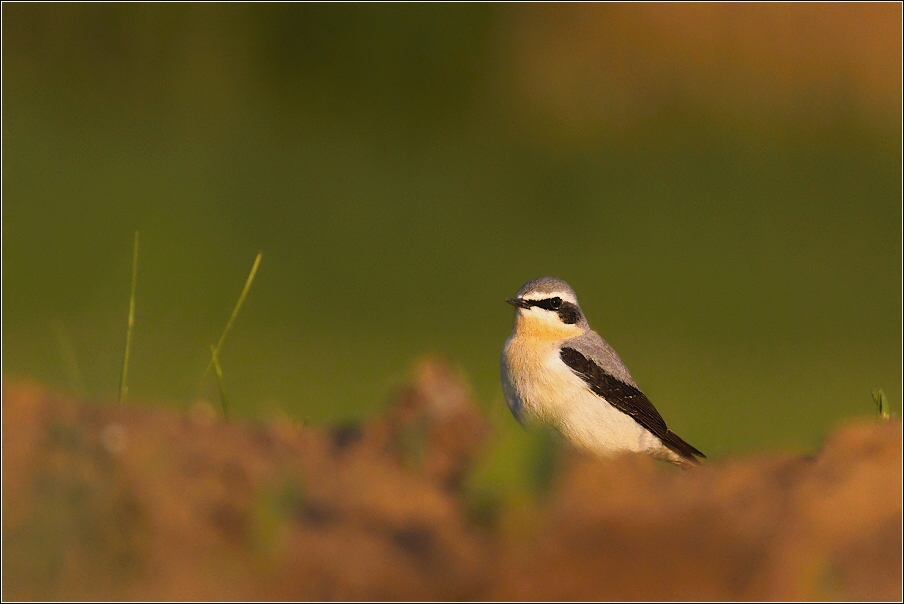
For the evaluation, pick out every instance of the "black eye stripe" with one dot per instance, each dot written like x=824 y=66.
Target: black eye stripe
x=568 y=313
x=547 y=304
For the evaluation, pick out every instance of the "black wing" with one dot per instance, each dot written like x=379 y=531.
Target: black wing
x=627 y=399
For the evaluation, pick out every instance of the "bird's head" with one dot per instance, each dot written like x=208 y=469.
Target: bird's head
x=548 y=309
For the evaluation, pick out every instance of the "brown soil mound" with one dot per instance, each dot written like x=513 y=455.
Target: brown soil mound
x=137 y=503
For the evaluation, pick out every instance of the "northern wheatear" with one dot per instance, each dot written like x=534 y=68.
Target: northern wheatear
x=558 y=371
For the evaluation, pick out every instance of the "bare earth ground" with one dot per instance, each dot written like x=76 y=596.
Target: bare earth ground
x=140 y=503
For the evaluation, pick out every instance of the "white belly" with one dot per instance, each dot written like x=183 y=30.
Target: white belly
x=538 y=386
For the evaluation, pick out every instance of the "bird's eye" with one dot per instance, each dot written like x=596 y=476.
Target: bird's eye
x=555 y=303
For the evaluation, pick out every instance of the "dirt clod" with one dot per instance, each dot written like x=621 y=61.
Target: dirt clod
x=137 y=503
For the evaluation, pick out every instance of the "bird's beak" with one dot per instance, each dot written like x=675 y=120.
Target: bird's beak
x=520 y=303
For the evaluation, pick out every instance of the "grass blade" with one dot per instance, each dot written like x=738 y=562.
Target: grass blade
x=219 y=371
x=215 y=352
x=123 y=385
x=881 y=401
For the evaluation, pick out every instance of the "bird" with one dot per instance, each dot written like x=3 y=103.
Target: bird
x=558 y=371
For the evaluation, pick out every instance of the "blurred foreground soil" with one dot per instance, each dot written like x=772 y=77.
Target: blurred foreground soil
x=135 y=503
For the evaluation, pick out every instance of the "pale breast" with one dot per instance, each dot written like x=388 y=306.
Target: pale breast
x=535 y=380
x=538 y=386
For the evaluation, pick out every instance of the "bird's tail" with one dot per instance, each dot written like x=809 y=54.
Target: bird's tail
x=680 y=452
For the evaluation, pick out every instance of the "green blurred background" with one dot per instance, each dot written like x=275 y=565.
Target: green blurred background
x=720 y=183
